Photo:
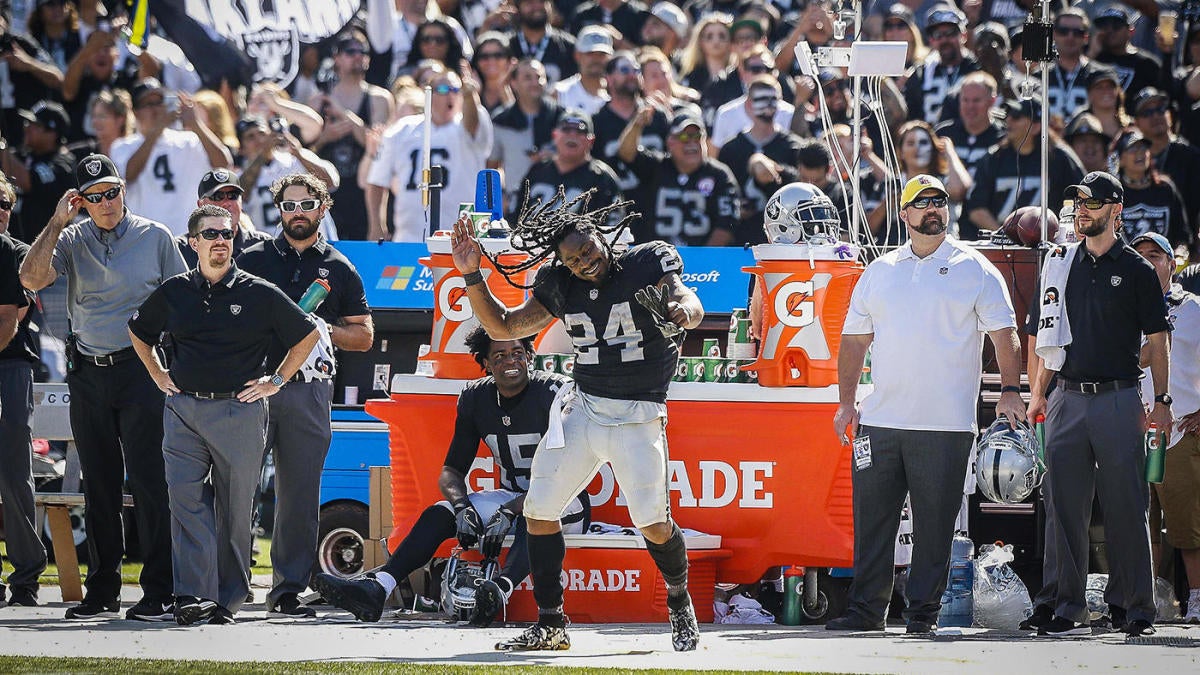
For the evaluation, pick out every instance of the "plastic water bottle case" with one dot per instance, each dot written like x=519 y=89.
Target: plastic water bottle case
x=956 y=600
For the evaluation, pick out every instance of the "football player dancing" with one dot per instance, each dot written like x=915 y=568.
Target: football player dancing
x=623 y=309
x=509 y=411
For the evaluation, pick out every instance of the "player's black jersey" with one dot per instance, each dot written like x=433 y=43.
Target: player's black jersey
x=929 y=84
x=1156 y=208
x=609 y=126
x=511 y=432
x=783 y=147
x=544 y=179
x=684 y=209
x=1006 y=181
x=620 y=353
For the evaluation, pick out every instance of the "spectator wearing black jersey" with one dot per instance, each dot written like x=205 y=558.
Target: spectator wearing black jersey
x=625 y=16
x=1137 y=68
x=666 y=27
x=709 y=53
x=535 y=38
x=572 y=168
x=1174 y=156
x=493 y=64
x=1152 y=201
x=1071 y=75
x=921 y=151
x=975 y=130
x=687 y=198
x=1010 y=176
x=30 y=77
x=948 y=61
x=625 y=83
x=42 y=171
x=92 y=71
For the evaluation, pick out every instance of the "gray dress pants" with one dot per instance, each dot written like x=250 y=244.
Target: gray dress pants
x=25 y=549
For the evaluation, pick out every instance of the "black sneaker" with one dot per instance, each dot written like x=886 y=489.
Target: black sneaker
x=1117 y=619
x=92 y=609
x=364 y=598
x=537 y=638
x=289 y=605
x=190 y=611
x=22 y=597
x=222 y=617
x=921 y=625
x=1042 y=614
x=853 y=622
x=490 y=599
x=685 y=630
x=1138 y=628
x=152 y=610
x=1060 y=627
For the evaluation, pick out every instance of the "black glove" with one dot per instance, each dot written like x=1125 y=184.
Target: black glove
x=469 y=524
x=497 y=529
x=655 y=300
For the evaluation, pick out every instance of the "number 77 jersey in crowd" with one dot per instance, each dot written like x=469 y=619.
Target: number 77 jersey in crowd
x=168 y=180
x=620 y=353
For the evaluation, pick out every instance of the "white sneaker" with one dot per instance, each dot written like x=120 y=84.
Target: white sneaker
x=1193 y=607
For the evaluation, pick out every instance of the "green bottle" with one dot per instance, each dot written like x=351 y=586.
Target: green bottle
x=314 y=296
x=793 y=590
x=1156 y=455
x=1039 y=430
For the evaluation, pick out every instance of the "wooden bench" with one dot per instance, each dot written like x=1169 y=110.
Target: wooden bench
x=58 y=513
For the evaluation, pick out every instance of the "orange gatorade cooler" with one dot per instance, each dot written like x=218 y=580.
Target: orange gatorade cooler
x=452 y=315
x=805 y=291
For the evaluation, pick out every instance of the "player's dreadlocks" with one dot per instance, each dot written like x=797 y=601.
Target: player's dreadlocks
x=540 y=228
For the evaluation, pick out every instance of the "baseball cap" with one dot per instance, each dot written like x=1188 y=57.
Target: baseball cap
x=1156 y=239
x=594 y=39
x=1103 y=74
x=941 y=14
x=1147 y=96
x=48 y=114
x=215 y=180
x=918 y=184
x=144 y=87
x=577 y=119
x=992 y=29
x=684 y=120
x=1128 y=138
x=671 y=15
x=754 y=24
x=900 y=10
x=1097 y=185
x=1031 y=108
x=1114 y=11
x=95 y=169
x=249 y=122
x=1085 y=124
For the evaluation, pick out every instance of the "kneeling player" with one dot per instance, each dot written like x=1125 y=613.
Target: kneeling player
x=509 y=411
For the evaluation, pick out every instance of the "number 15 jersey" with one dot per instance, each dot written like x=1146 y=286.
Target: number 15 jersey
x=619 y=351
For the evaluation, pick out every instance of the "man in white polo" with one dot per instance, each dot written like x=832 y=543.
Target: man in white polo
x=923 y=309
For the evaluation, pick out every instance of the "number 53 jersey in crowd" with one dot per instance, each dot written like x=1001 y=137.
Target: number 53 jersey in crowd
x=620 y=353
x=510 y=431
x=172 y=171
x=398 y=163
x=684 y=209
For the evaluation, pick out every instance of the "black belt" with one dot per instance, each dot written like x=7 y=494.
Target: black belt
x=109 y=359
x=1096 y=387
x=213 y=395
x=298 y=377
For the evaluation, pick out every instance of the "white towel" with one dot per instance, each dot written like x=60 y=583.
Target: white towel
x=320 y=364
x=1054 y=329
x=555 y=438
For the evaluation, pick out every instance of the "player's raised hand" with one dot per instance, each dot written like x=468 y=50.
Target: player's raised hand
x=466 y=250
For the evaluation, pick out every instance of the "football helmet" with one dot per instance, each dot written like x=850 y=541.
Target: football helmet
x=1007 y=465
x=460 y=580
x=800 y=213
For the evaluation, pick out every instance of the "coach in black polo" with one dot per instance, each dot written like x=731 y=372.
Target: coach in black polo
x=1094 y=417
x=223 y=322
x=298 y=431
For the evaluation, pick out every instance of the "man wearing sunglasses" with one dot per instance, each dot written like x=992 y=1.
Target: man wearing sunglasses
x=587 y=89
x=112 y=260
x=298 y=427
x=1095 y=420
x=1071 y=74
x=1137 y=68
x=222 y=322
x=915 y=431
x=220 y=188
x=948 y=61
x=625 y=86
x=269 y=152
x=1172 y=155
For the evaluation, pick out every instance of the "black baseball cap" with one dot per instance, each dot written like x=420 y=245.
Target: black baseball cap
x=1084 y=124
x=575 y=118
x=48 y=114
x=215 y=180
x=1114 y=11
x=1147 y=95
x=1031 y=108
x=1128 y=139
x=1103 y=74
x=684 y=120
x=95 y=169
x=1097 y=185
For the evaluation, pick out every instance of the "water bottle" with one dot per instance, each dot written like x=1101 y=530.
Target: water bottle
x=793 y=590
x=956 y=600
x=314 y=296
x=1039 y=430
x=1155 y=455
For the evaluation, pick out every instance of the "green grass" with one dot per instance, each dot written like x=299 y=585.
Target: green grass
x=14 y=664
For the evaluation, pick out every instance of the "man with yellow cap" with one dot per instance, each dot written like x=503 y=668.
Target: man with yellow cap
x=914 y=432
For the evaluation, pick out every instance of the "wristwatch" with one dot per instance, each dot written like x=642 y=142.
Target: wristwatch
x=1164 y=399
x=277 y=380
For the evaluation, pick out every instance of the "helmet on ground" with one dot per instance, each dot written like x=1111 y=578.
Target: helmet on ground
x=1007 y=466
x=800 y=213
x=459 y=581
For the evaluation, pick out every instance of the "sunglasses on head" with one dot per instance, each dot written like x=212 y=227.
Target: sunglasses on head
x=6 y=205
x=109 y=194
x=212 y=234
x=302 y=205
x=1063 y=30
x=435 y=39
x=225 y=196
x=1092 y=203
x=445 y=89
x=924 y=202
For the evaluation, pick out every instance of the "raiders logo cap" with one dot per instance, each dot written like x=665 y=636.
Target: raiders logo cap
x=95 y=169
x=1097 y=185
x=215 y=180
